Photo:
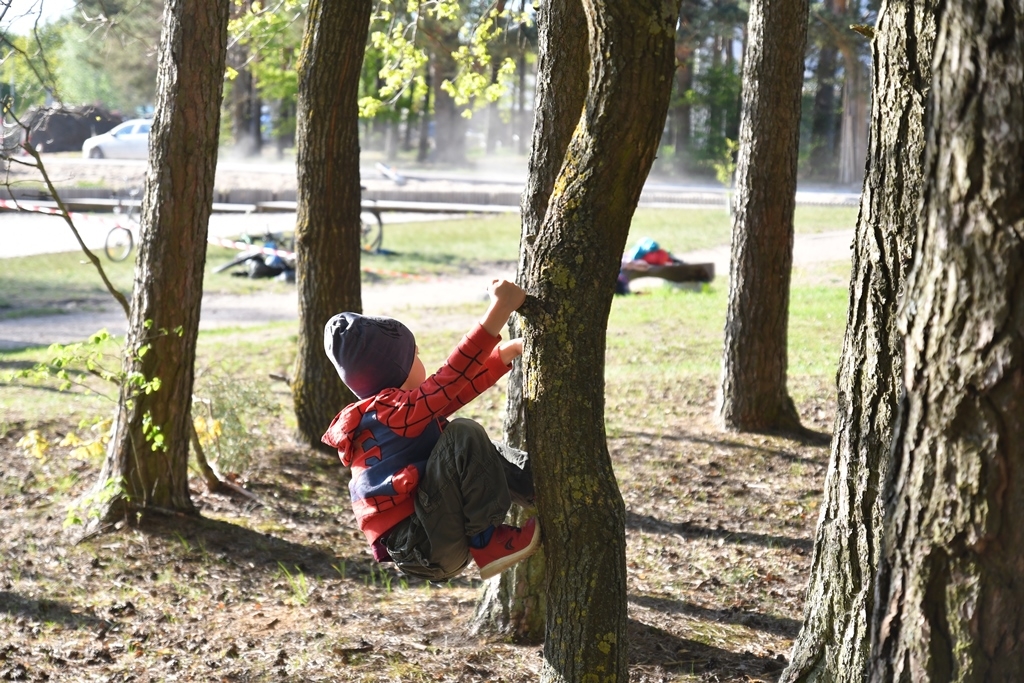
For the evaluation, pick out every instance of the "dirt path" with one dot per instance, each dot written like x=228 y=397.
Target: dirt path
x=397 y=299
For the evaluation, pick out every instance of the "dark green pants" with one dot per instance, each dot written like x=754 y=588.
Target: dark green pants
x=468 y=485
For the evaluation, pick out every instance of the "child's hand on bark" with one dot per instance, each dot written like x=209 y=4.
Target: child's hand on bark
x=506 y=297
x=510 y=350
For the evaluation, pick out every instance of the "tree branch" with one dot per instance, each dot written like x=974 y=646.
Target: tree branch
x=118 y=296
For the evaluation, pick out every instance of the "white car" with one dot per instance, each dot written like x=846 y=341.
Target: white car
x=128 y=140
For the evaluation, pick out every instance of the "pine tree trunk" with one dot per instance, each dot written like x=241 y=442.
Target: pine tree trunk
x=516 y=602
x=834 y=643
x=853 y=131
x=823 y=117
x=327 y=228
x=949 y=579
x=148 y=453
x=256 y=122
x=449 y=124
x=682 y=110
x=423 y=151
x=241 y=107
x=570 y=267
x=752 y=395
x=521 y=122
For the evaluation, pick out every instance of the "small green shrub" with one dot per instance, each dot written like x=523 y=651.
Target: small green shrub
x=230 y=415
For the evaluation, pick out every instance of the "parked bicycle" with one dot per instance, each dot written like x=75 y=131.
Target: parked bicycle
x=120 y=239
x=275 y=257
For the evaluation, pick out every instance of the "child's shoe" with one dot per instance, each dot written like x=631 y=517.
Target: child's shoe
x=508 y=546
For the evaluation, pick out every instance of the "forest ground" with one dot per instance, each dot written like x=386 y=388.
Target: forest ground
x=719 y=526
x=719 y=532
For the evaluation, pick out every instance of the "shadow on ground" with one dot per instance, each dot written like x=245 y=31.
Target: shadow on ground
x=692 y=530
x=780 y=626
x=653 y=647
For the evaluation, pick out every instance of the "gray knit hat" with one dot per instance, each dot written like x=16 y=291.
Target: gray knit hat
x=371 y=354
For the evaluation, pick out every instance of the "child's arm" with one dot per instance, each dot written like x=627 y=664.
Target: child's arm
x=506 y=297
x=407 y=411
x=493 y=369
x=510 y=350
x=452 y=386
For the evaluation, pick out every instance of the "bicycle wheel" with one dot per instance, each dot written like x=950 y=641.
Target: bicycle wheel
x=118 y=244
x=372 y=231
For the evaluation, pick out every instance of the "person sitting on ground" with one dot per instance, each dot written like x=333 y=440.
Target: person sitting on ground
x=429 y=493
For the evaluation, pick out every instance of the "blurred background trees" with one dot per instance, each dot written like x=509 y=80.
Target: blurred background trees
x=450 y=81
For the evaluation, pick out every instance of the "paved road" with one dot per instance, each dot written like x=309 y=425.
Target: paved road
x=22 y=234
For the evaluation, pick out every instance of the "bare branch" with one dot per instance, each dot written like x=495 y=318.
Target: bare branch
x=118 y=296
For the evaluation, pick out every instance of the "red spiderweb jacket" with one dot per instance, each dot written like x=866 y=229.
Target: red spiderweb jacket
x=386 y=439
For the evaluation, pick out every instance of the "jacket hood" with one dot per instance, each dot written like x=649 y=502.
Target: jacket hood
x=343 y=427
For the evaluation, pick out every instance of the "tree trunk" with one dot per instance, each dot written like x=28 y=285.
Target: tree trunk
x=256 y=122
x=570 y=266
x=494 y=123
x=823 y=117
x=392 y=139
x=716 y=110
x=147 y=458
x=424 y=145
x=752 y=395
x=521 y=123
x=853 y=126
x=834 y=642
x=516 y=602
x=732 y=112
x=241 y=106
x=327 y=225
x=244 y=105
x=949 y=579
x=409 y=119
x=449 y=124
x=681 y=112
x=853 y=131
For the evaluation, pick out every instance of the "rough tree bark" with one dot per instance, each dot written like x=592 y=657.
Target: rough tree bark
x=950 y=595
x=752 y=395
x=834 y=643
x=570 y=266
x=148 y=452
x=327 y=225
x=515 y=603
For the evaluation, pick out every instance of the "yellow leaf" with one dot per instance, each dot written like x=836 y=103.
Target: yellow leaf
x=35 y=444
x=71 y=440
x=89 y=451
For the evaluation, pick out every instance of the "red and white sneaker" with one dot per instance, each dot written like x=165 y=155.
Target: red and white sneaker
x=508 y=546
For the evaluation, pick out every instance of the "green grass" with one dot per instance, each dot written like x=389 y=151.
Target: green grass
x=435 y=246
x=815 y=219
x=667 y=343
x=657 y=342
x=46 y=283
x=446 y=246
x=67 y=281
x=50 y=282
